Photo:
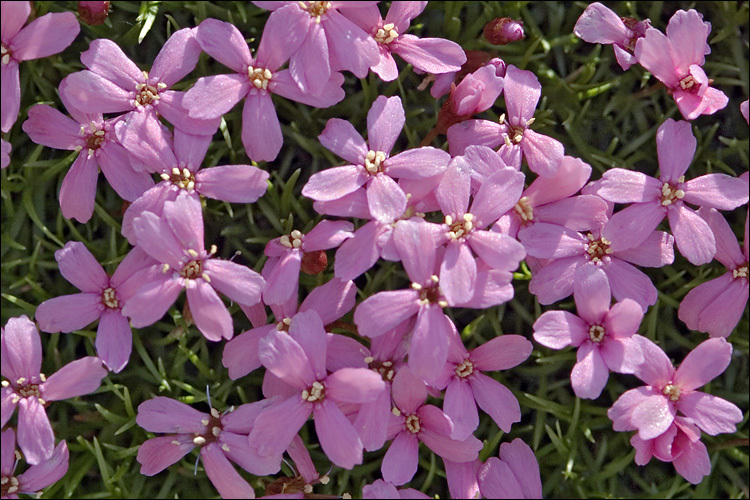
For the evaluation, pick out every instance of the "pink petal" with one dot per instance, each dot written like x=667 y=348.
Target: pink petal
x=543 y=153
x=243 y=454
x=621 y=411
x=261 y=131
x=496 y=480
x=333 y=183
x=184 y=217
x=408 y=391
x=687 y=33
x=590 y=373
x=154 y=235
x=462 y=478
x=693 y=463
x=460 y=451
x=623 y=319
x=350 y=47
x=162 y=414
x=385 y=120
x=51 y=128
x=239 y=283
x=241 y=353
x=401 y=460
x=286 y=359
x=152 y=301
x=496 y=400
x=21 y=349
x=429 y=342
x=499 y=251
x=50 y=34
x=626 y=186
x=68 y=313
x=626 y=281
x=338 y=438
x=720 y=316
x=35 y=436
x=473 y=133
x=728 y=251
x=340 y=137
x=105 y=58
x=308 y=330
x=78 y=189
x=38 y=477
x=354 y=385
x=358 y=253
x=177 y=57
x=386 y=199
x=522 y=461
x=460 y=407
x=458 y=273
x=431 y=55
x=522 y=92
x=592 y=294
x=224 y=42
x=214 y=96
x=555 y=280
x=656 y=369
x=559 y=329
x=172 y=108
x=285 y=86
x=209 y=312
x=653 y=416
x=309 y=65
x=233 y=183
x=80 y=267
x=550 y=241
x=417 y=163
x=704 y=363
x=389 y=308
x=158 y=453
x=599 y=24
x=654 y=52
x=415 y=241
x=501 y=353
x=571 y=175
x=127 y=182
x=92 y=93
x=675 y=145
x=11 y=95
x=223 y=475
x=276 y=426
x=631 y=226
x=454 y=189
x=693 y=237
x=157 y=155
x=656 y=250
x=114 y=340
x=14 y=17
x=77 y=378
x=712 y=414
x=718 y=191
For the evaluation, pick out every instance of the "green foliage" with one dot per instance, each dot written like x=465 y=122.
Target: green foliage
x=601 y=114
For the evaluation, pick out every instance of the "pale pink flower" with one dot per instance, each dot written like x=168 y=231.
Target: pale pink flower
x=604 y=335
x=653 y=199
x=677 y=59
x=431 y=55
x=717 y=305
x=515 y=474
x=37 y=477
x=102 y=298
x=29 y=390
x=651 y=409
x=44 y=36
x=599 y=24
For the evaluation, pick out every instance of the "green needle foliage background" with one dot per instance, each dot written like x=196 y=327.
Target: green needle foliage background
x=601 y=114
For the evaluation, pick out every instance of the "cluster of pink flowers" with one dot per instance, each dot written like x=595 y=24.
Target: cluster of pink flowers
x=459 y=222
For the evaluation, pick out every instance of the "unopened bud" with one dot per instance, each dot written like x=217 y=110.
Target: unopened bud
x=503 y=30
x=314 y=262
x=93 y=13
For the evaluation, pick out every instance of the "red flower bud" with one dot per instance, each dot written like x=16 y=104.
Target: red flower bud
x=314 y=262
x=93 y=13
x=503 y=30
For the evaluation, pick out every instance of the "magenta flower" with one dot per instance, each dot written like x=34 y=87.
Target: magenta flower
x=651 y=409
x=522 y=92
x=466 y=386
x=382 y=489
x=179 y=165
x=175 y=242
x=653 y=199
x=599 y=24
x=677 y=59
x=29 y=390
x=605 y=337
x=514 y=475
x=285 y=256
x=35 y=478
x=679 y=444
x=371 y=165
x=299 y=359
x=44 y=36
x=414 y=421
x=222 y=437
x=716 y=306
x=102 y=298
x=114 y=84
x=431 y=55
x=329 y=41
x=255 y=79
x=98 y=148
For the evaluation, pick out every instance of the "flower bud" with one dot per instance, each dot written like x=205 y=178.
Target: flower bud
x=314 y=262
x=503 y=30
x=93 y=13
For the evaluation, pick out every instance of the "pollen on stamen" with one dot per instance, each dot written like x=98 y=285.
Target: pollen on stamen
x=225 y=447
x=501 y=120
x=215 y=413
x=193 y=253
x=206 y=277
x=199 y=440
x=204 y=421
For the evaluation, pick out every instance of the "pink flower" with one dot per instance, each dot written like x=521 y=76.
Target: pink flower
x=522 y=92
x=514 y=475
x=651 y=408
x=179 y=165
x=102 y=298
x=255 y=79
x=681 y=445
x=605 y=337
x=716 y=306
x=175 y=241
x=413 y=421
x=431 y=55
x=677 y=59
x=35 y=478
x=653 y=199
x=46 y=35
x=371 y=165
x=382 y=489
x=285 y=256
x=466 y=386
x=114 y=84
x=503 y=30
x=599 y=24
x=29 y=390
x=222 y=437
x=95 y=139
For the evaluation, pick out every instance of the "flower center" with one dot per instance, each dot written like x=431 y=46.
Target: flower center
x=413 y=424
x=259 y=77
x=8 y=485
x=384 y=368
x=213 y=429
x=430 y=294
x=597 y=249
x=671 y=194
x=193 y=269
x=109 y=298
x=671 y=390
x=283 y=325
x=6 y=54
x=374 y=161
x=460 y=228
x=465 y=369
x=145 y=93
x=597 y=333
x=741 y=271
x=315 y=9
x=515 y=132
x=315 y=394
x=386 y=34
x=292 y=240
x=182 y=178
x=687 y=82
x=26 y=388
x=524 y=210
